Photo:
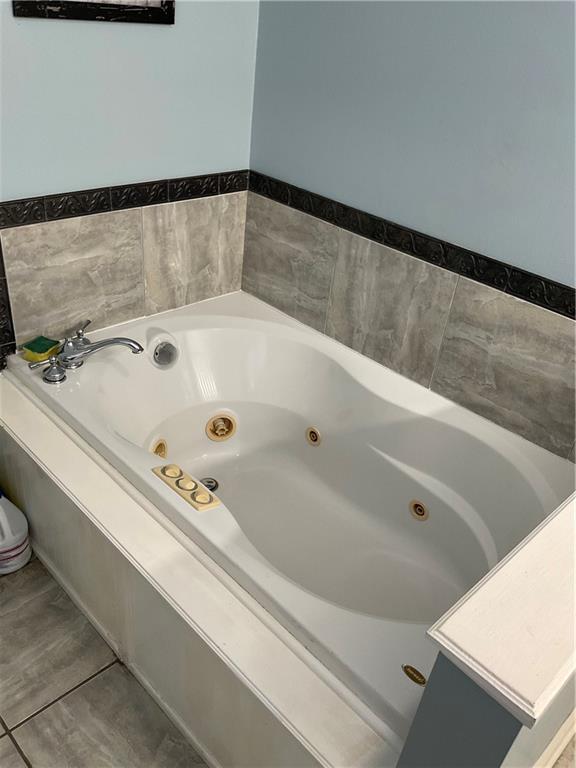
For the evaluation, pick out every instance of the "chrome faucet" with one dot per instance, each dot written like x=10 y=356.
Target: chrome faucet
x=76 y=359
x=75 y=349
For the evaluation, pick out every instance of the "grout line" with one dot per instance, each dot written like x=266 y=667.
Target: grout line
x=456 y=284
x=335 y=262
x=20 y=751
x=63 y=695
x=3 y=725
x=143 y=263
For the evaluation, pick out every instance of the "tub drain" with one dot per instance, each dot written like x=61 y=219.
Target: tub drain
x=210 y=483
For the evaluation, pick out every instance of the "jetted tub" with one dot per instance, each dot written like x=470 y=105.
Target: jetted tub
x=324 y=533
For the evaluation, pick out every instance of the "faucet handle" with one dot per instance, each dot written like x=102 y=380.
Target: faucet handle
x=40 y=363
x=54 y=373
x=77 y=330
x=75 y=340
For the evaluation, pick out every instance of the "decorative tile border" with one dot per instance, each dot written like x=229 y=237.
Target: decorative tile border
x=517 y=282
x=137 y=195
x=77 y=204
x=33 y=210
x=7 y=343
x=16 y=213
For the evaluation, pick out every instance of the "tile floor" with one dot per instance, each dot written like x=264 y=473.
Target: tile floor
x=568 y=758
x=66 y=701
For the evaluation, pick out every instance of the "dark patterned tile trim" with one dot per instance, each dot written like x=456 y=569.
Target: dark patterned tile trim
x=233 y=181
x=524 y=285
x=137 y=195
x=7 y=345
x=6 y=326
x=193 y=186
x=17 y=213
x=77 y=204
x=163 y=13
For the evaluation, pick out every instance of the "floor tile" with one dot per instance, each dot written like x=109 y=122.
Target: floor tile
x=47 y=646
x=567 y=758
x=9 y=757
x=110 y=721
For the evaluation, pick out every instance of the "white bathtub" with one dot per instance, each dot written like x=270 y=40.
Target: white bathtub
x=322 y=535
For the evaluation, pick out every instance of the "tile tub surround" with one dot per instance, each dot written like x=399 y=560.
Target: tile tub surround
x=389 y=306
x=36 y=210
x=382 y=290
x=192 y=250
x=289 y=260
x=122 y=264
x=62 y=271
x=483 y=269
x=510 y=361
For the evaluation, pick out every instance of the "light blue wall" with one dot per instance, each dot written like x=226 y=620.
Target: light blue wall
x=456 y=119
x=86 y=104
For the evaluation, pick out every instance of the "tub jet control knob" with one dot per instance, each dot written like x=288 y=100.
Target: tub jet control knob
x=187 y=484
x=172 y=470
x=202 y=497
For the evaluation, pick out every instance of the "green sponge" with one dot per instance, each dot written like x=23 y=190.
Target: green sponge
x=38 y=349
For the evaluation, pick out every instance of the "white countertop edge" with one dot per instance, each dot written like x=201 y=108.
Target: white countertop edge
x=336 y=729
x=474 y=658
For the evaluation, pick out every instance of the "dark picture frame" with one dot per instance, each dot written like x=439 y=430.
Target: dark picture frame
x=160 y=13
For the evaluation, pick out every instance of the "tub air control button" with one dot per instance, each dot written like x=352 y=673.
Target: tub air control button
x=202 y=497
x=172 y=470
x=187 y=484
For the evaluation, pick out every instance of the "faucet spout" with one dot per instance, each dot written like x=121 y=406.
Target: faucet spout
x=72 y=358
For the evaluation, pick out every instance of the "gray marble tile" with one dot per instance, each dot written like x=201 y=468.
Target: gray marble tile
x=511 y=362
x=389 y=306
x=568 y=758
x=109 y=722
x=9 y=757
x=289 y=259
x=47 y=645
x=193 y=250
x=62 y=271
